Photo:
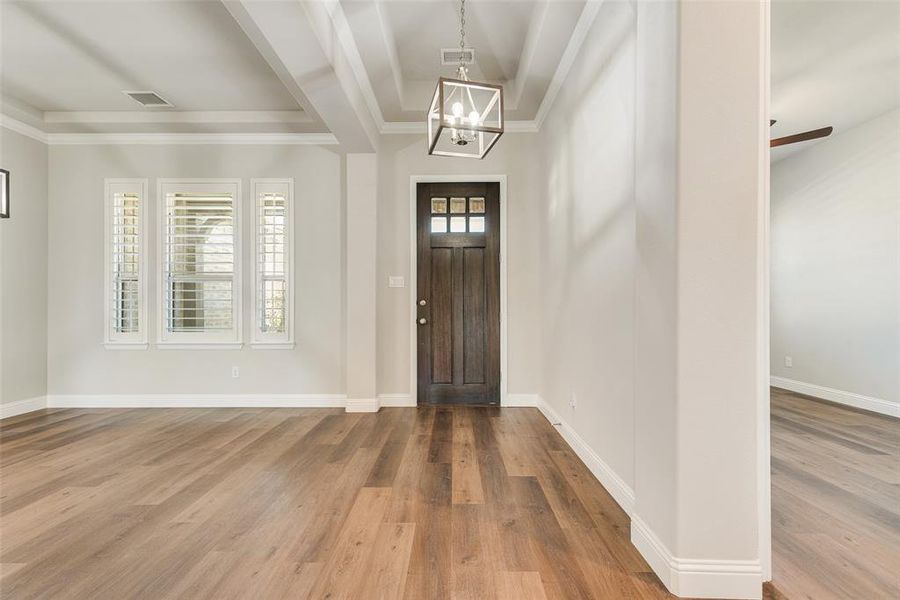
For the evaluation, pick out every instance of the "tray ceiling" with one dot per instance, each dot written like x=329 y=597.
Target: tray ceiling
x=355 y=68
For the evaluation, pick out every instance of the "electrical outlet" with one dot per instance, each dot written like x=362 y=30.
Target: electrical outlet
x=788 y=361
x=235 y=372
x=573 y=401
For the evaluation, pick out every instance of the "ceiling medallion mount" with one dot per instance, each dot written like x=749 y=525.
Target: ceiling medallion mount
x=465 y=117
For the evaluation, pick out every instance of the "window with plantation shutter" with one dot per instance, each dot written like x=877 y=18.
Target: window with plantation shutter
x=125 y=266
x=200 y=284
x=273 y=294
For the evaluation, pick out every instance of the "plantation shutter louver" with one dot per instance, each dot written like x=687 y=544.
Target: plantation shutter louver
x=125 y=265
x=273 y=294
x=201 y=262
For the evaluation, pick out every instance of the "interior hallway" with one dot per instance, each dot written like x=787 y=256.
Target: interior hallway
x=835 y=500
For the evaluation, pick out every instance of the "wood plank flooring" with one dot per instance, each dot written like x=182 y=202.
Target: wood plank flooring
x=835 y=501
x=429 y=503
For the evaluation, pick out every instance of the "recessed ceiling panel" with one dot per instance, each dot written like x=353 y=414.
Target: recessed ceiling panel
x=496 y=30
x=80 y=56
x=517 y=43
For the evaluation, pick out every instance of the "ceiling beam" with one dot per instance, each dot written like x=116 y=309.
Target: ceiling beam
x=390 y=45
x=529 y=49
x=582 y=28
x=306 y=49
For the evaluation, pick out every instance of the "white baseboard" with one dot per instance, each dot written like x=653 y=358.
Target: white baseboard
x=618 y=489
x=683 y=577
x=198 y=401
x=359 y=405
x=693 y=578
x=20 y=407
x=884 y=407
x=520 y=400
x=396 y=400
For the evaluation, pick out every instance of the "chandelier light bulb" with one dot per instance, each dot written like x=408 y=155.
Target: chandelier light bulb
x=473 y=117
x=457 y=109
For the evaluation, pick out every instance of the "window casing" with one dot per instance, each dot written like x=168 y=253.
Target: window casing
x=125 y=265
x=273 y=253
x=200 y=263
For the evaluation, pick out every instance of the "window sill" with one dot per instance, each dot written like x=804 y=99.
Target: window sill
x=126 y=345
x=272 y=345
x=199 y=346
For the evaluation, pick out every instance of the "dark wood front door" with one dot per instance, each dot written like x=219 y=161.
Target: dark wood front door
x=458 y=301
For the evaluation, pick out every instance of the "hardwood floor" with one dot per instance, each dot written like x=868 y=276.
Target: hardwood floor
x=454 y=503
x=432 y=503
x=835 y=501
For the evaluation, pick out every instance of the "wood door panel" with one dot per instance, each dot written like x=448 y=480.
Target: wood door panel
x=459 y=281
x=473 y=315
x=459 y=240
x=441 y=315
x=458 y=317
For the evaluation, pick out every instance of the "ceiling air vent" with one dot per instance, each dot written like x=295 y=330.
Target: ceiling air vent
x=148 y=99
x=455 y=56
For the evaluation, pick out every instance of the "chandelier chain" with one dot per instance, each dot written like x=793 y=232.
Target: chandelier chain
x=462 y=27
x=461 y=72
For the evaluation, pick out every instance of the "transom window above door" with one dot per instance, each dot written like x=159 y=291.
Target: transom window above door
x=457 y=215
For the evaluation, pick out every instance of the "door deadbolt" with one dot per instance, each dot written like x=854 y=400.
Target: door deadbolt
x=422 y=303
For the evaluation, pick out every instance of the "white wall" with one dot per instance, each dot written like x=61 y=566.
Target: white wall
x=515 y=156
x=587 y=240
x=656 y=300
x=360 y=257
x=23 y=280
x=722 y=161
x=836 y=262
x=78 y=362
x=652 y=281
x=79 y=365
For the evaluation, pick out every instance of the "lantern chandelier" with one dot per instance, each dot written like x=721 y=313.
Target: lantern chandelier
x=465 y=117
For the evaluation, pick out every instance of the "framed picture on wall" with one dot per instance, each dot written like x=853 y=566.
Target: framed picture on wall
x=4 y=194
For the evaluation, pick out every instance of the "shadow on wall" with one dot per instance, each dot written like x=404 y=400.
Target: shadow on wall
x=589 y=140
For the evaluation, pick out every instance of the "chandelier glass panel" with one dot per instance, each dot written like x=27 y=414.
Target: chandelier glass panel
x=465 y=117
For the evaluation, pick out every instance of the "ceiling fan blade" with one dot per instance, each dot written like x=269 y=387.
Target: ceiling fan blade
x=802 y=137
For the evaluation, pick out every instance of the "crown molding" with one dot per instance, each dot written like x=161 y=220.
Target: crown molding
x=23 y=128
x=258 y=139
x=157 y=139
x=277 y=139
x=418 y=127
x=179 y=116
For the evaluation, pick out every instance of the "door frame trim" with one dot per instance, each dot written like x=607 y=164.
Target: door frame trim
x=414 y=180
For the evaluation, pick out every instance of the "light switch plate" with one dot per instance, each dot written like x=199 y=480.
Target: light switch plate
x=396 y=281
